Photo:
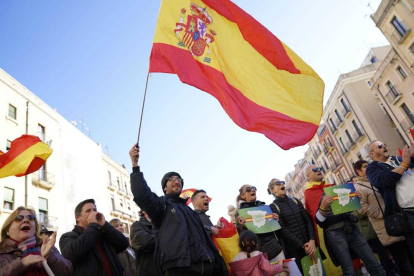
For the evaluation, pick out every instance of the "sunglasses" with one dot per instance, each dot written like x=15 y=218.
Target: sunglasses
x=317 y=169
x=380 y=146
x=249 y=189
x=278 y=183
x=21 y=217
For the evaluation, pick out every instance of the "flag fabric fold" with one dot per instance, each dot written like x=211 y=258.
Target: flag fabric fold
x=27 y=154
x=261 y=83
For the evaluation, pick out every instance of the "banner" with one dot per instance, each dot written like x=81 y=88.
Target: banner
x=259 y=219
x=289 y=267
x=313 y=267
x=345 y=199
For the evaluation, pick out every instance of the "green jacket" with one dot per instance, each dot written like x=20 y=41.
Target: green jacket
x=364 y=226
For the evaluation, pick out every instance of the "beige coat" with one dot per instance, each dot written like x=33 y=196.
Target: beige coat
x=371 y=209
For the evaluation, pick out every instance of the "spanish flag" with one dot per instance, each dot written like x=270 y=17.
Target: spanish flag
x=26 y=155
x=261 y=83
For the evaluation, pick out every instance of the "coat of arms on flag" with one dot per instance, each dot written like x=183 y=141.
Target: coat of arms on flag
x=195 y=37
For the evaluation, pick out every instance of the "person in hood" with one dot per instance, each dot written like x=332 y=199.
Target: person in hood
x=268 y=242
x=183 y=246
x=250 y=261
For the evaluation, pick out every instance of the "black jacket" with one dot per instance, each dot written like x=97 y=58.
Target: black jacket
x=143 y=242
x=205 y=220
x=297 y=226
x=80 y=248
x=128 y=262
x=381 y=176
x=268 y=242
x=180 y=235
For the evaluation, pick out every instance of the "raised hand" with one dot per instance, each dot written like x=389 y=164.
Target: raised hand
x=47 y=245
x=134 y=154
x=32 y=259
x=92 y=217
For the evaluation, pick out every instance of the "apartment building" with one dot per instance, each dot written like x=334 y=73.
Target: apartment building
x=76 y=170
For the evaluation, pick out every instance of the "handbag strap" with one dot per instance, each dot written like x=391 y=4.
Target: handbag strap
x=379 y=204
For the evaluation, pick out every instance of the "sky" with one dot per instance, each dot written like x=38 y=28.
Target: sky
x=89 y=60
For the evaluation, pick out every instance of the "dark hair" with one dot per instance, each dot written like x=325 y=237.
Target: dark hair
x=78 y=209
x=196 y=193
x=358 y=165
x=248 y=241
x=141 y=213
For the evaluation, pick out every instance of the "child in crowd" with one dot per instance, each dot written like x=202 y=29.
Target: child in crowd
x=250 y=261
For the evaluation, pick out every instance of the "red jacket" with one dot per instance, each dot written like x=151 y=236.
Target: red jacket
x=254 y=266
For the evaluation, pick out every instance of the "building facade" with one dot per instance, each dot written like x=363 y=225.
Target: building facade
x=76 y=170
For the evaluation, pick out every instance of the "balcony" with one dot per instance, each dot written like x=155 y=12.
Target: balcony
x=398 y=38
x=51 y=223
x=350 y=144
x=339 y=122
x=345 y=112
x=318 y=152
x=335 y=166
x=111 y=186
x=393 y=96
x=325 y=150
x=344 y=151
x=121 y=192
x=43 y=179
x=128 y=196
x=333 y=129
x=407 y=123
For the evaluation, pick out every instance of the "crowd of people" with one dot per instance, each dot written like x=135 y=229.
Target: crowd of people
x=171 y=239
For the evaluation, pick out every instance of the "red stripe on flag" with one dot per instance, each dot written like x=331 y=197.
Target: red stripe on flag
x=280 y=128
x=261 y=39
x=36 y=164
x=17 y=147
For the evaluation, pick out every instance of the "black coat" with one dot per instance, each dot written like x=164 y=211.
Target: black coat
x=268 y=242
x=297 y=226
x=181 y=240
x=381 y=176
x=80 y=248
x=143 y=242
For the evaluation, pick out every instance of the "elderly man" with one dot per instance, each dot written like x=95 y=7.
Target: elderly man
x=183 y=247
x=394 y=179
x=201 y=204
x=340 y=233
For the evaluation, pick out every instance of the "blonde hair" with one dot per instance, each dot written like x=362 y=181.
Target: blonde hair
x=241 y=192
x=7 y=223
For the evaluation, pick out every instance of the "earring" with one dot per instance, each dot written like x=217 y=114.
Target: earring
x=243 y=243
x=7 y=234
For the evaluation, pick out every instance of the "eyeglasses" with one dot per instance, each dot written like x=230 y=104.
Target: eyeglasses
x=249 y=189
x=173 y=179
x=317 y=169
x=380 y=146
x=21 y=217
x=278 y=183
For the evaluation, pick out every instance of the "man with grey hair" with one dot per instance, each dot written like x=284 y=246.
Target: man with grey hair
x=394 y=179
x=342 y=239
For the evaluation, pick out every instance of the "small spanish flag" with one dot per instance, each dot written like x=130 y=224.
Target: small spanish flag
x=27 y=154
x=259 y=81
x=188 y=193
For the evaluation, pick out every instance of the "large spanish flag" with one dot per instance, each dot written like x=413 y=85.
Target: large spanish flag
x=259 y=81
x=26 y=155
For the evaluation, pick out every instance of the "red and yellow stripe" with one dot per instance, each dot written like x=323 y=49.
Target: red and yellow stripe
x=259 y=81
x=266 y=217
x=26 y=155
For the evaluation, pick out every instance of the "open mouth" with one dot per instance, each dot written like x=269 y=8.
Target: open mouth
x=25 y=228
x=253 y=194
x=283 y=188
x=206 y=204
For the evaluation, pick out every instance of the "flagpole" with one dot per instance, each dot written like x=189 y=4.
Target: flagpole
x=142 y=111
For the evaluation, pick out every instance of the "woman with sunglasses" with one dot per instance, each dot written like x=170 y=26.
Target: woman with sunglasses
x=268 y=242
x=22 y=252
x=297 y=232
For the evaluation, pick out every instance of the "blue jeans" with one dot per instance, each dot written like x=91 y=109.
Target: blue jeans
x=341 y=243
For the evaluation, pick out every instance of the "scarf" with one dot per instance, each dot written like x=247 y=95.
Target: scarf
x=28 y=247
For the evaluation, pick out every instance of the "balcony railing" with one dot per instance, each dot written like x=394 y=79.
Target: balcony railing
x=335 y=166
x=338 y=122
x=393 y=96
x=48 y=221
x=325 y=150
x=345 y=112
x=43 y=179
x=344 y=151
x=333 y=129
x=407 y=123
x=350 y=144
x=398 y=38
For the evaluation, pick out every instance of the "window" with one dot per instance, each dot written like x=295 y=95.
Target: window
x=342 y=144
x=358 y=130
x=345 y=105
x=408 y=112
x=392 y=88
x=43 y=209
x=373 y=60
x=119 y=184
x=109 y=178
x=8 y=198
x=126 y=187
x=340 y=178
x=398 y=25
x=12 y=112
x=113 y=203
x=402 y=73
x=369 y=83
x=412 y=48
x=41 y=130
x=349 y=136
x=121 y=203
x=129 y=206
x=42 y=172
x=332 y=124
x=359 y=156
x=337 y=115
x=8 y=144
x=329 y=141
